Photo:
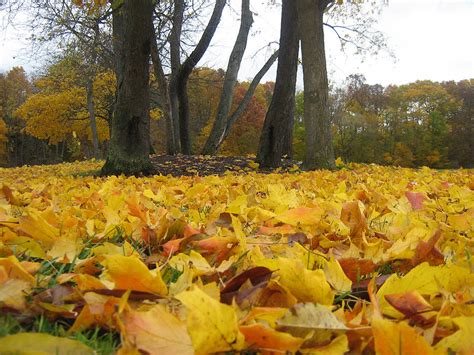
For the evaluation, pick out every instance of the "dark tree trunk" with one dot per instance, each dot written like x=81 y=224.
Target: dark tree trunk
x=175 y=58
x=185 y=72
x=130 y=141
x=230 y=79
x=92 y=118
x=318 y=140
x=277 y=134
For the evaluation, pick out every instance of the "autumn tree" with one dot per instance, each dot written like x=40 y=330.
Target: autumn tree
x=58 y=110
x=15 y=87
x=129 y=146
x=277 y=134
x=3 y=142
x=319 y=148
x=461 y=122
x=230 y=80
x=418 y=117
x=85 y=29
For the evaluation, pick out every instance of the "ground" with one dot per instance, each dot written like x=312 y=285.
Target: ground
x=189 y=165
x=222 y=258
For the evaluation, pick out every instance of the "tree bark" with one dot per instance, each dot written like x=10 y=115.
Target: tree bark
x=319 y=148
x=92 y=118
x=164 y=98
x=185 y=72
x=175 y=60
x=230 y=79
x=277 y=135
x=130 y=141
x=239 y=111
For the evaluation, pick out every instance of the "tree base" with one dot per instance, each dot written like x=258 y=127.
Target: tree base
x=308 y=166
x=129 y=167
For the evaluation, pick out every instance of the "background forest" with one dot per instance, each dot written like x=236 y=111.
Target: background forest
x=44 y=118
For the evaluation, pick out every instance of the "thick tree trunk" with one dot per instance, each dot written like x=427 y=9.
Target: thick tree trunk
x=277 y=134
x=319 y=147
x=230 y=79
x=185 y=72
x=130 y=141
x=92 y=118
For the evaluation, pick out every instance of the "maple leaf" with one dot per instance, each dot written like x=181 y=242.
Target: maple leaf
x=155 y=331
x=212 y=325
x=40 y=343
x=306 y=285
x=130 y=273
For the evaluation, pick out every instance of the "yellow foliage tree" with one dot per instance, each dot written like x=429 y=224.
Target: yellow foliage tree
x=58 y=111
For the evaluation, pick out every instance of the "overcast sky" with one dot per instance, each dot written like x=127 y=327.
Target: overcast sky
x=432 y=39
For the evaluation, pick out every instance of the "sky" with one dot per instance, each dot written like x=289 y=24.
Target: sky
x=431 y=39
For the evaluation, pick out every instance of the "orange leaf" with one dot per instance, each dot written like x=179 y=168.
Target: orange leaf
x=408 y=303
x=355 y=268
x=416 y=199
x=301 y=215
x=156 y=331
x=259 y=336
x=398 y=338
x=353 y=218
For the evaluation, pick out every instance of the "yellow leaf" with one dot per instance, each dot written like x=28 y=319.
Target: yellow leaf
x=98 y=311
x=156 y=331
x=462 y=341
x=239 y=233
x=337 y=346
x=25 y=245
x=212 y=325
x=306 y=285
x=195 y=261
x=34 y=225
x=301 y=216
x=42 y=344
x=15 y=270
x=129 y=273
x=64 y=249
x=12 y=293
x=427 y=280
x=268 y=314
x=398 y=338
x=336 y=276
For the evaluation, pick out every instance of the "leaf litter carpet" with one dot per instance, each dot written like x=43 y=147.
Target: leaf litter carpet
x=366 y=259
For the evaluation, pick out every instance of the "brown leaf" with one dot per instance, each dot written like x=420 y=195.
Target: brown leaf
x=408 y=303
x=353 y=218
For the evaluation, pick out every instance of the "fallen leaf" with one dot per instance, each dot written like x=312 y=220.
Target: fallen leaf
x=156 y=331
x=313 y=322
x=306 y=285
x=130 y=273
x=353 y=218
x=462 y=341
x=263 y=338
x=416 y=199
x=212 y=325
x=398 y=338
x=301 y=216
x=40 y=343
